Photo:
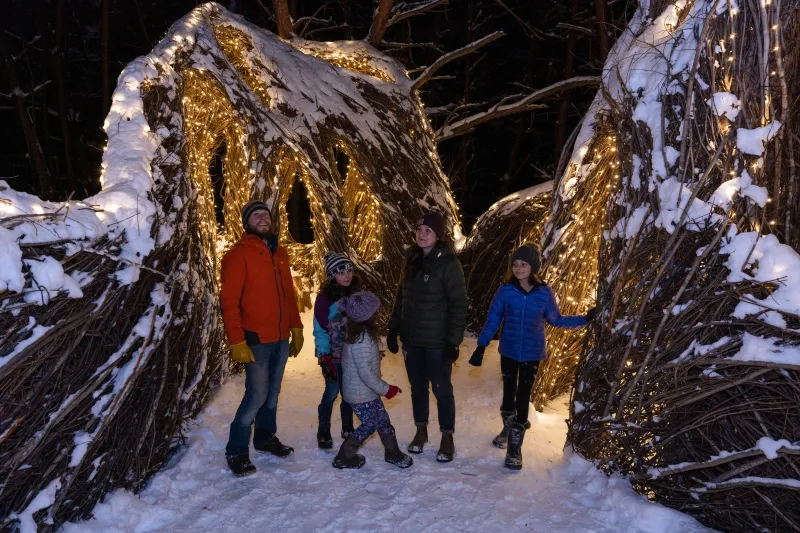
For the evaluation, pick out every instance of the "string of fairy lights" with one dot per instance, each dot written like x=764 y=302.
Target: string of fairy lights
x=571 y=267
x=363 y=212
x=209 y=121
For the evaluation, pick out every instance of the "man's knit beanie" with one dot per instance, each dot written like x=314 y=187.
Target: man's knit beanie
x=250 y=208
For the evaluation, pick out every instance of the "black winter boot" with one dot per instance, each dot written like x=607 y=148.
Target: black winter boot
x=240 y=465
x=273 y=446
x=324 y=439
x=418 y=442
x=516 y=434
x=347 y=456
x=501 y=440
x=447 y=449
x=392 y=452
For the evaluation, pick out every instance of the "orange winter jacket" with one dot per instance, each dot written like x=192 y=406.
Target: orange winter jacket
x=257 y=292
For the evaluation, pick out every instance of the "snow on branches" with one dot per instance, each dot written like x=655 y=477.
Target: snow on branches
x=684 y=170
x=109 y=305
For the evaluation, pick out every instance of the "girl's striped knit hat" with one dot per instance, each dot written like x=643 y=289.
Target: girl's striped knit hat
x=335 y=263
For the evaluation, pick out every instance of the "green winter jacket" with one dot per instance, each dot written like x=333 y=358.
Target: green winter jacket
x=430 y=310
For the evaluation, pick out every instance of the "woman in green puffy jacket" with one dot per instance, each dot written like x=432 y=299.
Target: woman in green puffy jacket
x=430 y=316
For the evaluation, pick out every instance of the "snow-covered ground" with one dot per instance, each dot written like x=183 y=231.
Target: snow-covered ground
x=555 y=492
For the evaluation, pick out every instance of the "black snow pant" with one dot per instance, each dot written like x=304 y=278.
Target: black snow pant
x=518 y=381
x=425 y=365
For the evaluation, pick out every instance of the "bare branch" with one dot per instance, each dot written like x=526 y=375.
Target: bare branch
x=531 y=32
x=451 y=108
x=442 y=61
x=310 y=20
x=468 y=124
x=396 y=46
x=416 y=9
x=575 y=28
x=320 y=30
x=380 y=21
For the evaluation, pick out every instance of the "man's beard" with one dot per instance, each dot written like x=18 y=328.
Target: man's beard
x=261 y=234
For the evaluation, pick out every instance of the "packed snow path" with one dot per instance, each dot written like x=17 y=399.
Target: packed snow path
x=553 y=493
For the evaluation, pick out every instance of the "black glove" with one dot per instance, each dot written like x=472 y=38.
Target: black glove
x=391 y=341
x=477 y=356
x=328 y=367
x=590 y=314
x=450 y=354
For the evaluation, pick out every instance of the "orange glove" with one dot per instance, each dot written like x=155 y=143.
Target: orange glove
x=241 y=353
x=296 y=344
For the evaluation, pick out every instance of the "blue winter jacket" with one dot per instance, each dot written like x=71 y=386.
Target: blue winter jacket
x=523 y=316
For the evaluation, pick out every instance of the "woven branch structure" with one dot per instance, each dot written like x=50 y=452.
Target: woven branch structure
x=108 y=310
x=683 y=184
x=509 y=222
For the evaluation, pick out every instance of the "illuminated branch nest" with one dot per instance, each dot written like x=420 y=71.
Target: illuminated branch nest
x=112 y=339
x=690 y=379
x=513 y=220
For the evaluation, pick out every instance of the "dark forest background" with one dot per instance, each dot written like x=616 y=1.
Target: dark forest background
x=59 y=61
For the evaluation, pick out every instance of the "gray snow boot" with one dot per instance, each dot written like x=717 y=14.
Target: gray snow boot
x=501 y=440
x=516 y=434
x=347 y=456
x=392 y=452
x=418 y=442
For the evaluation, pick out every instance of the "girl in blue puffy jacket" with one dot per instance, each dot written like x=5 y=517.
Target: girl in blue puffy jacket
x=523 y=304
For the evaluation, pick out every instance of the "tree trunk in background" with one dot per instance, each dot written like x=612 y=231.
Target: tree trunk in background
x=349 y=29
x=569 y=65
x=379 y=22
x=600 y=27
x=58 y=58
x=293 y=9
x=521 y=126
x=38 y=100
x=35 y=155
x=463 y=188
x=105 y=20
x=282 y=18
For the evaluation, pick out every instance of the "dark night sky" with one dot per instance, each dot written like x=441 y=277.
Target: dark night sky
x=500 y=157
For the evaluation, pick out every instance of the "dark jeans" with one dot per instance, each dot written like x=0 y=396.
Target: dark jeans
x=518 y=381
x=424 y=365
x=325 y=408
x=262 y=385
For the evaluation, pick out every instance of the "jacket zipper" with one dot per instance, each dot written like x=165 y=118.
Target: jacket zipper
x=522 y=325
x=277 y=289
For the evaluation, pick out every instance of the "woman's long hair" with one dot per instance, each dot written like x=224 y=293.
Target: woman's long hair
x=357 y=330
x=334 y=292
x=415 y=257
x=534 y=279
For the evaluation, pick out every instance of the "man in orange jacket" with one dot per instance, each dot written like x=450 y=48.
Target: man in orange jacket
x=260 y=314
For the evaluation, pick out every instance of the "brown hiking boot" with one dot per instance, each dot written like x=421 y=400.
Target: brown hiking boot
x=418 y=442
x=447 y=449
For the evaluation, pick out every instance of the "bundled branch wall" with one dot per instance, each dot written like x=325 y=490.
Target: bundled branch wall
x=690 y=379
x=510 y=222
x=109 y=306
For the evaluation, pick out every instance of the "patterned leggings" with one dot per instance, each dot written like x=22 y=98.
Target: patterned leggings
x=373 y=416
